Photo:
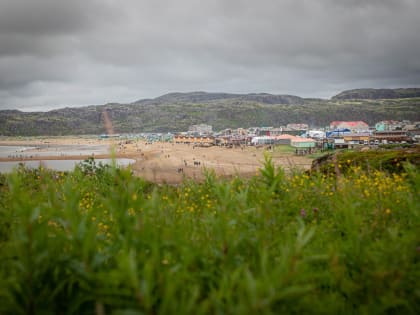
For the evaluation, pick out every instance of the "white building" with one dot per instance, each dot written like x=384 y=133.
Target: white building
x=200 y=129
x=316 y=134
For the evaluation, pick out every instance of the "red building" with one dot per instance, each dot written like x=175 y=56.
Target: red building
x=352 y=125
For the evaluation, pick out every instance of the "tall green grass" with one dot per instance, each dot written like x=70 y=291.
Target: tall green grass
x=100 y=241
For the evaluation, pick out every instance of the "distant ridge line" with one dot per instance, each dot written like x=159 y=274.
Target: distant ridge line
x=175 y=112
x=377 y=94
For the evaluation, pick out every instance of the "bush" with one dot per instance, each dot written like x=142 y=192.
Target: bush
x=100 y=241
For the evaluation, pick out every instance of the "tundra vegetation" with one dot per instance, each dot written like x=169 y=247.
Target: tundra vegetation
x=101 y=241
x=177 y=111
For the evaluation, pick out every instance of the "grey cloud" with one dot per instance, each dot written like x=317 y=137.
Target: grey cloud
x=120 y=49
x=48 y=27
x=49 y=17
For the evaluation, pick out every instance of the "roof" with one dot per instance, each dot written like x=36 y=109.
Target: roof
x=285 y=136
x=297 y=139
x=349 y=123
x=359 y=134
x=392 y=122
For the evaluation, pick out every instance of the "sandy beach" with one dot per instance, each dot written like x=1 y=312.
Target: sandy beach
x=160 y=162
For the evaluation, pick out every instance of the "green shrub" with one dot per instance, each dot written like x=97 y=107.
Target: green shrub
x=100 y=241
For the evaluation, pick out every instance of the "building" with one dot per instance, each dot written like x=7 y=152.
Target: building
x=337 y=133
x=223 y=140
x=285 y=139
x=355 y=126
x=194 y=140
x=340 y=143
x=388 y=125
x=260 y=140
x=297 y=126
x=411 y=126
x=238 y=140
x=390 y=136
x=357 y=138
x=263 y=131
x=303 y=143
x=275 y=131
x=317 y=134
x=200 y=129
x=241 y=131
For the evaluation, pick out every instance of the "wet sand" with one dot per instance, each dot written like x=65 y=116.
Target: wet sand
x=163 y=162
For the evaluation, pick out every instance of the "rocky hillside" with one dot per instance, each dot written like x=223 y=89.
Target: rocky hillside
x=203 y=97
x=177 y=111
x=374 y=94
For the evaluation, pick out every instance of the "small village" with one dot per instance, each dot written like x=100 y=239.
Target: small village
x=339 y=134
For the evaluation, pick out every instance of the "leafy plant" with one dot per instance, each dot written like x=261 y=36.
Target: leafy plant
x=100 y=241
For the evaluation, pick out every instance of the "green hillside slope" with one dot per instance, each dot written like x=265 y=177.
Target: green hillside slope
x=177 y=111
x=378 y=94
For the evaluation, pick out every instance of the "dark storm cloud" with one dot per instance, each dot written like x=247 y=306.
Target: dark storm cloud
x=55 y=53
x=52 y=17
x=35 y=27
x=42 y=17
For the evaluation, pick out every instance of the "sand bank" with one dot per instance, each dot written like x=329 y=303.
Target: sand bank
x=162 y=162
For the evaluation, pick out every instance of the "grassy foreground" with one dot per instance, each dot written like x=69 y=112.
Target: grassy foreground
x=100 y=241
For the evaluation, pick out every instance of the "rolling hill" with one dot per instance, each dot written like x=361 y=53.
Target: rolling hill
x=177 y=111
x=363 y=94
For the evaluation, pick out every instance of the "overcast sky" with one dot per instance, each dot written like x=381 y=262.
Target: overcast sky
x=57 y=53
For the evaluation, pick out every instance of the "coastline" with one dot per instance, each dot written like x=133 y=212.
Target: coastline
x=164 y=162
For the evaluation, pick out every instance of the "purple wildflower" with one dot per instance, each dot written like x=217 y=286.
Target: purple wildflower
x=302 y=213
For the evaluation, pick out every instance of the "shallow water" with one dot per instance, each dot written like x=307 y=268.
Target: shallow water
x=59 y=165
x=6 y=150
x=53 y=150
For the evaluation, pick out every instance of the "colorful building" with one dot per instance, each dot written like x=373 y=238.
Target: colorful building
x=195 y=140
x=390 y=136
x=388 y=125
x=355 y=126
x=357 y=138
x=303 y=143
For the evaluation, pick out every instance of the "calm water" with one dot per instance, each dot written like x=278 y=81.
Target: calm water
x=6 y=151
x=59 y=165
x=52 y=150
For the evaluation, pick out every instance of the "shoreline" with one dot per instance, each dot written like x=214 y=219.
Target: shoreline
x=164 y=162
